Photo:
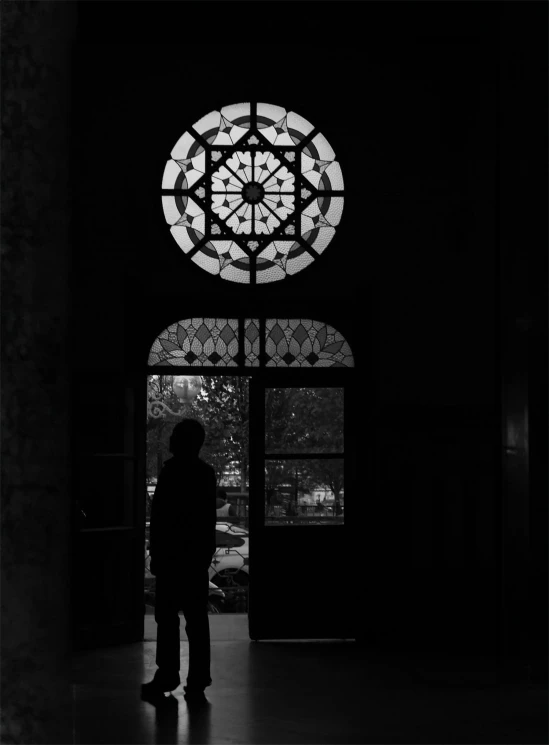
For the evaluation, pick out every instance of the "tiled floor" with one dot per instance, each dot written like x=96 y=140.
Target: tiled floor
x=331 y=693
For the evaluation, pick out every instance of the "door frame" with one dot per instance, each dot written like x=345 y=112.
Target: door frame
x=261 y=379
x=129 y=535
x=295 y=378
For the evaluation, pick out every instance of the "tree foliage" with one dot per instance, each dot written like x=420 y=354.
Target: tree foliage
x=222 y=407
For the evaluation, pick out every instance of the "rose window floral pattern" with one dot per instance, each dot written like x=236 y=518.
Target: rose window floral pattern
x=252 y=193
x=228 y=342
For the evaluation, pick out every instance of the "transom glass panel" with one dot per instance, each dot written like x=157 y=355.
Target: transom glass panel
x=301 y=342
x=198 y=342
x=217 y=342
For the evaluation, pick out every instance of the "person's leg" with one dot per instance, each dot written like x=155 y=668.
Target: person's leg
x=195 y=607
x=167 y=620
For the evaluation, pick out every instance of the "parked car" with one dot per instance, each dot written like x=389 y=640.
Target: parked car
x=216 y=598
x=230 y=563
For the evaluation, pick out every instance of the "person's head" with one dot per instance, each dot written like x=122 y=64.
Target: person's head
x=221 y=493
x=187 y=438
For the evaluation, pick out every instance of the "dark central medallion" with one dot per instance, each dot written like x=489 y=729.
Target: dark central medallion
x=253 y=193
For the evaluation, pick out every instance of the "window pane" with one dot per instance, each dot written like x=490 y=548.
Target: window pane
x=304 y=492
x=304 y=420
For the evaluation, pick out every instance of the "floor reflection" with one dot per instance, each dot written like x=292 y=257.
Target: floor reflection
x=166 y=722
x=198 y=723
x=306 y=693
x=177 y=720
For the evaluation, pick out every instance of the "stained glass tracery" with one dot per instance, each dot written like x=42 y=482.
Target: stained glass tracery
x=301 y=342
x=289 y=342
x=251 y=342
x=200 y=342
x=252 y=193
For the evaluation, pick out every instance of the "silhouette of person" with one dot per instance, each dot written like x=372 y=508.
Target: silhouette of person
x=182 y=545
x=223 y=507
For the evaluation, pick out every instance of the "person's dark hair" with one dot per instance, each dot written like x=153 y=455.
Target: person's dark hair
x=187 y=437
x=221 y=493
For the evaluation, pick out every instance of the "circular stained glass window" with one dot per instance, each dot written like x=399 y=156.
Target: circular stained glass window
x=252 y=193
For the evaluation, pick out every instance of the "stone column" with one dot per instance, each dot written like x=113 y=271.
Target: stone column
x=36 y=509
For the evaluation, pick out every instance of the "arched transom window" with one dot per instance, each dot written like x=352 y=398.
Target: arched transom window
x=230 y=342
x=252 y=193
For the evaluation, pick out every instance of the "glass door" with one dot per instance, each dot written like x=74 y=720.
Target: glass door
x=301 y=570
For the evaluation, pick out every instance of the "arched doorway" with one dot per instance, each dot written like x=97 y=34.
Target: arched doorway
x=301 y=380
x=315 y=564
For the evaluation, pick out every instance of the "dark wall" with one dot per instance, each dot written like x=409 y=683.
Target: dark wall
x=36 y=499
x=416 y=143
x=522 y=236
x=410 y=277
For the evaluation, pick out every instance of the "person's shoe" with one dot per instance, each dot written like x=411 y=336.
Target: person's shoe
x=160 y=685
x=200 y=683
x=194 y=694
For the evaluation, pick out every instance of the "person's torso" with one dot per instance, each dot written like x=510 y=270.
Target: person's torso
x=186 y=518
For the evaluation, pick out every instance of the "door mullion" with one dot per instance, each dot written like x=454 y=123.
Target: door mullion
x=257 y=451
x=256 y=494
